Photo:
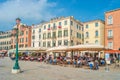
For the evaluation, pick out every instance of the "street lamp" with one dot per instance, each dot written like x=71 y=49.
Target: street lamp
x=17 y=28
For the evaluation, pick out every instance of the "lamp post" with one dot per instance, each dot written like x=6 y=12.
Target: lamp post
x=16 y=67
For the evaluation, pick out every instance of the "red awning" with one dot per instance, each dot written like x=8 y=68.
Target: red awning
x=112 y=51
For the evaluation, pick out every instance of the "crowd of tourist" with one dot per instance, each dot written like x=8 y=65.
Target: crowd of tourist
x=75 y=61
x=2 y=55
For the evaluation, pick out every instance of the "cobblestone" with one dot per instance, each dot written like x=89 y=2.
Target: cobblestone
x=42 y=71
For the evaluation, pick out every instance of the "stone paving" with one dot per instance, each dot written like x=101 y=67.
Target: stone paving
x=42 y=71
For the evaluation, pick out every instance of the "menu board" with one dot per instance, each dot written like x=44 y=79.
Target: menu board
x=107 y=58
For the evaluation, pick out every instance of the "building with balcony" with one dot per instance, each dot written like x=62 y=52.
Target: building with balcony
x=112 y=29
x=94 y=32
x=5 y=40
x=24 y=38
x=57 y=32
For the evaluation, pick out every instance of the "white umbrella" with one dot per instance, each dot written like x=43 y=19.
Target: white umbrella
x=57 y=49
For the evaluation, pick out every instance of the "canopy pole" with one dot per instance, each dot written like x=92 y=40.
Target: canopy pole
x=72 y=54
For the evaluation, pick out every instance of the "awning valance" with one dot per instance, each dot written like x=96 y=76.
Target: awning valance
x=77 y=48
x=58 y=49
x=87 y=47
x=29 y=49
x=112 y=51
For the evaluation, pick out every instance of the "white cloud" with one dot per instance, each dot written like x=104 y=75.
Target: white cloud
x=32 y=10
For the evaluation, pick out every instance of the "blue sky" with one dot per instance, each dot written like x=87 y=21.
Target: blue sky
x=33 y=11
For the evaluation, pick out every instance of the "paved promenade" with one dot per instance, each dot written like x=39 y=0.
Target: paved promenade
x=42 y=71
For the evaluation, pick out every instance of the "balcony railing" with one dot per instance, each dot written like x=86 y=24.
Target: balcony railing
x=110 y=37
x=96 y=36
x=53 y=37
x=54 y=28
x=86 y=37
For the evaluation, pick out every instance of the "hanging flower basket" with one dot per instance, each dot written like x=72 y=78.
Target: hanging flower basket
x=48 y=28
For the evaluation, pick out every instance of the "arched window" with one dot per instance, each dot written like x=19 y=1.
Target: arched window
x=96 y=24
x=87 y=26
x=87 y=42
x=87 y=34
x=96 y=41
x=96 y=33
x=54 y=25
x=110 y=19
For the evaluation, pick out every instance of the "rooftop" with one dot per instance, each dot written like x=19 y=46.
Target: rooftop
x=52 y=20
x=7 y=32
x=113 y=10
x=94 y=21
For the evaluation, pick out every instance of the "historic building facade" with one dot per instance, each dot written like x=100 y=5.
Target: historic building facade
x=94 y=32
x=24 y=38
x=57 y=32
x=5 y=40
x=36 y=39
x=112 y=29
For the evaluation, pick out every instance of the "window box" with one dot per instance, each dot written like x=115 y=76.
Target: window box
x=59 y=26
x=48 y=28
